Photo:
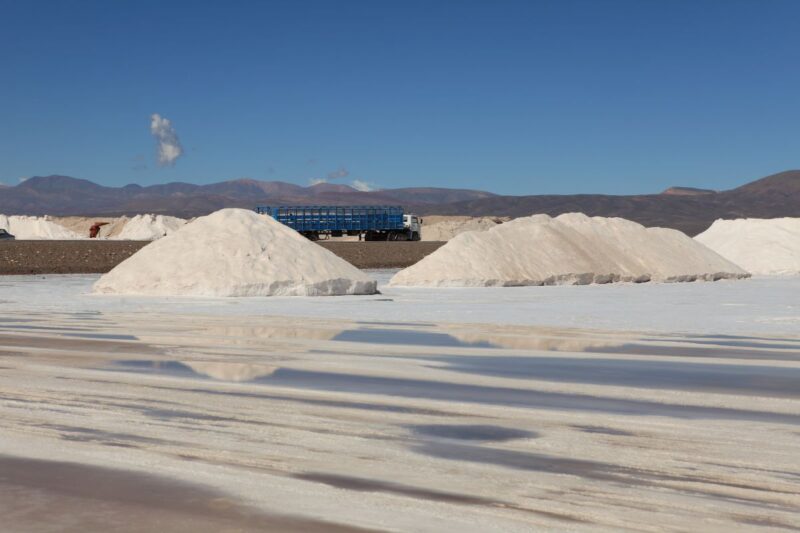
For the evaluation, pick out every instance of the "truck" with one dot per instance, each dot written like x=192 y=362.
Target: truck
x=368 y=222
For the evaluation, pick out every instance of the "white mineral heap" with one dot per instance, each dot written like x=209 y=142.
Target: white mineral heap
x=149 y=227
x=570 y=249
x=764 y=247
x=444 y=228
x=235 y=252
x=35 y=228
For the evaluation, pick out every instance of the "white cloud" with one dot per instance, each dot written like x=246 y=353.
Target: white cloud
x=363 y=186
x=317 y=181
x=169 y=147
x=24 y=178
x=340 y=172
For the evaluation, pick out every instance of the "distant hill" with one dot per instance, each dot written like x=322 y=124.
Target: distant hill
x=685 y=208
x=64 y=195
x=774 y=196
x=687 y=191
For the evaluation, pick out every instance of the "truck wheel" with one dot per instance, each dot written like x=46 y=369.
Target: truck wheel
x=415 y=236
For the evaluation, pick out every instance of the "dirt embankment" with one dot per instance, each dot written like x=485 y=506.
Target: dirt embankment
x=89 y=257
x=382 y=254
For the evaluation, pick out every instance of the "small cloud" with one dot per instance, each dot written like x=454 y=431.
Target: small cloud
x=363 y=186
x=317 y=181
x=339 y=173
x=169 y=147
x=24 y=179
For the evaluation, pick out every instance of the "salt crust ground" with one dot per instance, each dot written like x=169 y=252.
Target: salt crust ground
x=235 y=252
x=761 y=246
x=357 y=420
x=746 y=307
x=571 y=249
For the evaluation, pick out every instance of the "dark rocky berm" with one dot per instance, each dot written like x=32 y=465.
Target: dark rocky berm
x=90 y=257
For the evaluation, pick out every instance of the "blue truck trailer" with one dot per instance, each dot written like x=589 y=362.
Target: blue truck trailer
x=368 y=222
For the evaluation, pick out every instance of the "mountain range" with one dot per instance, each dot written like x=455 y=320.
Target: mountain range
x=685 y=208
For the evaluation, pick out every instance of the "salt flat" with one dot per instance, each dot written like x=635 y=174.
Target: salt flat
x=644 y=407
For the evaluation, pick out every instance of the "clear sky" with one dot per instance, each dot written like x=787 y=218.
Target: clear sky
x=525 y=97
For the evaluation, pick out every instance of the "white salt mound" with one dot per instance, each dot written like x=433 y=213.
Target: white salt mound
x=445 y=228
x=149 y=227
x=570 y=249
x=234 y=252
x=764 y=247
x=35 y=228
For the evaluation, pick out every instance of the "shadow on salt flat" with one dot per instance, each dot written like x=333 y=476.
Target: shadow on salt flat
x=761 y=380
x=42 y=328
x=103 y=336
x=43 y=495
x=373 y=485
x=480 y=433
x=458 y=392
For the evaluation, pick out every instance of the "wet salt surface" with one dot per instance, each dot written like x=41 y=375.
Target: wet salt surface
x=407 y=337
x=482 y=433
x=279 y=423
x=110 y=336
x=455 y=392
x=41 y=495
x=779 y=382
x=752 y=307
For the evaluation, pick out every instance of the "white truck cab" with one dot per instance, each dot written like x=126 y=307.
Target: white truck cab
x=413 y=225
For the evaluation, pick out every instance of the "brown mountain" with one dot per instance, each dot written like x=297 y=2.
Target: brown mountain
x=687 y=191
x=688 y=209
x=774 y=196
x=63 y=195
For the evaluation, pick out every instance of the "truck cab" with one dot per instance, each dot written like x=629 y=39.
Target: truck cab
x=413 y=226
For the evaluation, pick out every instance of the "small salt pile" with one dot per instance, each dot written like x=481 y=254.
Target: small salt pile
x=35 y=228
x=235 y=252
x=149 y=227
x=570 y=249
x=764 y=247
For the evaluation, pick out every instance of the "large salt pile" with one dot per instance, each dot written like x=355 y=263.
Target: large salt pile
x=765 y=247
x=568 y=249
x=149 y=227
x=35 y=228
x=235 y=252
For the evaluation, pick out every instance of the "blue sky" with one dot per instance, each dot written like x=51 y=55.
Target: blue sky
x=515 y=97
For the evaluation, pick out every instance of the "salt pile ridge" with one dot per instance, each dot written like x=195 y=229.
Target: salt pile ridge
x=35 y=228
x=765 y=247
x=235 y=252
x=149 y=227
x=443 y=228
x=569 y=249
